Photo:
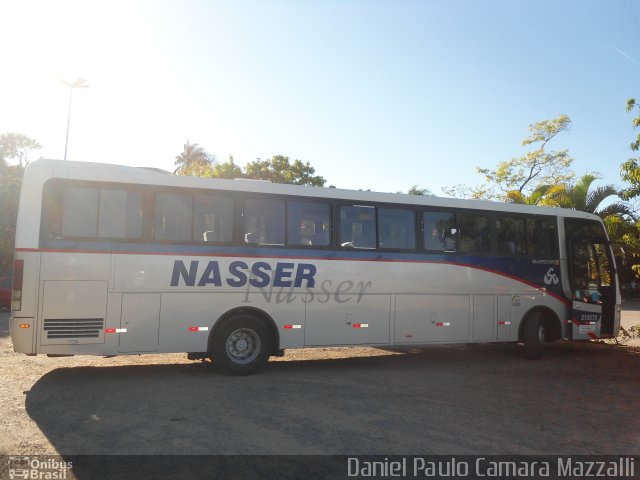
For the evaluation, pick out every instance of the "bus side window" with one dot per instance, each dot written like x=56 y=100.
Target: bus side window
x=105 y=213
x=308 y=223
x=213 y=219
x=80 y=212
x=510 y=235
x=172 y=217
x=264 y=221
x=439 y=231
x=474 y=233
x=120 y=214
x=358 y=226
x=542 y=237
x=396 y=228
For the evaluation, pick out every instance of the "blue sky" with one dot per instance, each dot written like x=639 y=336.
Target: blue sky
x=374 y=94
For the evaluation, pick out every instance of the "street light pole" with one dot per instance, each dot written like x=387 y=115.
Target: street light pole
x=79 y=83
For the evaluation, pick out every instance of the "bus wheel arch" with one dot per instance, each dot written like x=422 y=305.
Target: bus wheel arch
x=538 y=326
x=242 y=340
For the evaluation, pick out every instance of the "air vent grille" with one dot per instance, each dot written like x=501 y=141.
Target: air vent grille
x=73 y=327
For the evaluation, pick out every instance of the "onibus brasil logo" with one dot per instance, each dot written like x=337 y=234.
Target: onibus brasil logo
x=42 y=468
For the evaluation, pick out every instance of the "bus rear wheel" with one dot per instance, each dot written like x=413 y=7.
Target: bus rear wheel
x=241 y=346
x=534 y=336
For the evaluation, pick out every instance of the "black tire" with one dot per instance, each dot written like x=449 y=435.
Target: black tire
x=242 y=345
x=534 y=336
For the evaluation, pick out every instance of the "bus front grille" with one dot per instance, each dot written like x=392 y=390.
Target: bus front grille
x=73 y=327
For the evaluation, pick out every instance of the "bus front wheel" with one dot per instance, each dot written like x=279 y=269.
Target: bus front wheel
x=241 y=345
x=534 y=337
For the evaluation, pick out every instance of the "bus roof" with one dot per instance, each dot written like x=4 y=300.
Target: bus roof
x=44 y=169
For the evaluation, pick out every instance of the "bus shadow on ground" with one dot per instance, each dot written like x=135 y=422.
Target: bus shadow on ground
x=467 y=399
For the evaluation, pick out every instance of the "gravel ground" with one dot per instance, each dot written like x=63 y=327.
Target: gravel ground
x=580 y=398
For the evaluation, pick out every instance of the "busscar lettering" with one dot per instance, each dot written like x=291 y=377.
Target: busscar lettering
x=257 y=275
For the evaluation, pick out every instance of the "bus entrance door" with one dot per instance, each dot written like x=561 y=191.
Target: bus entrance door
x=587 y=301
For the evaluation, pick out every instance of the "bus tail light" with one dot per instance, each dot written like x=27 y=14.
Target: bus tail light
x=16 y=293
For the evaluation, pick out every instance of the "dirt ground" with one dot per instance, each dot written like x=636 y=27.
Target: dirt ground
x=580 y=398
x=20 y=434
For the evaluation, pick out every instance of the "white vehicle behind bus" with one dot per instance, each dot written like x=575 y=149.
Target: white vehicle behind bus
x=113 y=260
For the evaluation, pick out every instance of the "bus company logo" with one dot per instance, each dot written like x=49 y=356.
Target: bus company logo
x=551 y=277
x=24 y=467
x=239 y=274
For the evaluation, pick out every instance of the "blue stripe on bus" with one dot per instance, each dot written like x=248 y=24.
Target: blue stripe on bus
x=526 y=269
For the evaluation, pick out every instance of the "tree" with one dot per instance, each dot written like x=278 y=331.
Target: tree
x=414 y=190
x=618 y=217
x=465 y=191
x=17 y=146
x=226 y=169
x=625 y=241
x=521 y=176
x=194 y=161
x=580 y=196
x=10 y=183
x=280 y=170
x=536 y=168
x=539 y=196
x=630 y=170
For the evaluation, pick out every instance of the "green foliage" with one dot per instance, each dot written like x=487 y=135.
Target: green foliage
x=414 y=190
x=13 y=146
x=581 y=196
x=631 y=104
x=197 y=162
x=539 y=196
x=630 y=170
x=465 y=191
x=18 y=147
x=280 y=170
x=194 y=161
x=226 y=169
x=536 y=168
x=10 y=182
x=625 y=239
x=520 y=178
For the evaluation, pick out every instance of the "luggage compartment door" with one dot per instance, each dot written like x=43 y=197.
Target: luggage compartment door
x=141 y=320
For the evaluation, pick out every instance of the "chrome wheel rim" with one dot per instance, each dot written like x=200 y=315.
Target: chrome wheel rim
x=243 y=346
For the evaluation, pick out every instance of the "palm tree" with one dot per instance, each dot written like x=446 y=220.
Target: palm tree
x=534 y=198
x=618 y=217
x=194 y=160
x=580 y=196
